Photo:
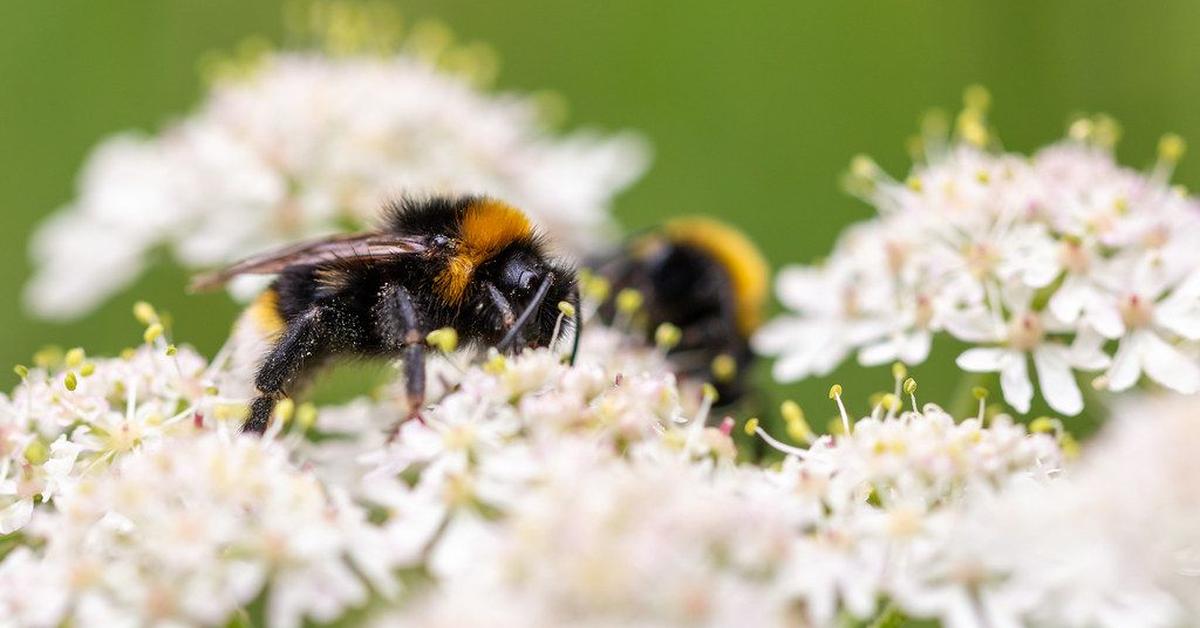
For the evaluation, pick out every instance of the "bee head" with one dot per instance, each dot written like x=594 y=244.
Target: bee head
x=533 y=285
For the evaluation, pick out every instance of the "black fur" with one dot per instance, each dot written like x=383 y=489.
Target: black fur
x=683 y=285
x=384 y=309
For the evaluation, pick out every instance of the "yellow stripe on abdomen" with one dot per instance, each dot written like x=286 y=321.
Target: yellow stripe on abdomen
x=264 y=313
x=741 y=259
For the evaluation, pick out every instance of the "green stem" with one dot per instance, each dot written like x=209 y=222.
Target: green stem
x=889 y=617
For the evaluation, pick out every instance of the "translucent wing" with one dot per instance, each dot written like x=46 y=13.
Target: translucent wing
x=344 y=249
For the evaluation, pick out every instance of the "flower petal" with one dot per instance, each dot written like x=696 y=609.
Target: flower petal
x=1127 y=364
x=1167 y=366
x=1057 y=380
x=916 y=348
x=15 y=516
x=1014 y=381
x=982 y=359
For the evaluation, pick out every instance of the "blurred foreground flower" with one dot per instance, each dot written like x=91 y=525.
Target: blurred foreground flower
x=539 y=494
x=291 y=144
x=1046 y=259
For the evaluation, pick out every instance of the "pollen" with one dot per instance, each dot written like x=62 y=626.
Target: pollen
x=724 y=368
x=444 y=339
x=306 y=416
x=74 y=357
x=36 y=452
x=667 y=336
x=629 y=301
x=284 y=410
x=144 y=313
x=153 y=332
x=1171 y=147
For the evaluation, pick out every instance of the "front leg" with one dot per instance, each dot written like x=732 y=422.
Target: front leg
x=304 y=344
x=401 y=332
x=508 y=317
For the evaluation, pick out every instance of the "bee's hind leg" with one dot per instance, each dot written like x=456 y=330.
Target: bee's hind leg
x=304 y=344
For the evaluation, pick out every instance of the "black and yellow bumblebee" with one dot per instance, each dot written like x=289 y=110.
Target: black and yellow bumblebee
x=470 y=263
x=705 y=278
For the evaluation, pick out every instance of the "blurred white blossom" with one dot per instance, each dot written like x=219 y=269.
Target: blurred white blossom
x=305 y=143
x=1042 y=259
x=1113 y=542
x=535 y=493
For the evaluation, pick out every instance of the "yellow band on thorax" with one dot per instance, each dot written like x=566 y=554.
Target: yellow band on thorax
x=487 y=227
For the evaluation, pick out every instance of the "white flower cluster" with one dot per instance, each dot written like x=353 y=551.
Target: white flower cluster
x=535 y=494
x=58 y=426
x=1114 y=542
x=1055 y=258
x=309 y=143
x=658 y=537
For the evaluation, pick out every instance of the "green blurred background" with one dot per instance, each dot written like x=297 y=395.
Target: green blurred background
x=753 y=108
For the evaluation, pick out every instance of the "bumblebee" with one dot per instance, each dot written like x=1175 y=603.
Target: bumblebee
x=705 y=278
x=473 y=264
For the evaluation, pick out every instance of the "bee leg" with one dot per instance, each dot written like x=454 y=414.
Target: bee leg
x=515 y=332
x=302 y=346
x=508 y=317
x=401 y=331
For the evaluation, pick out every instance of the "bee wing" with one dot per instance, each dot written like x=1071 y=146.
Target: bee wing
x=347 y=249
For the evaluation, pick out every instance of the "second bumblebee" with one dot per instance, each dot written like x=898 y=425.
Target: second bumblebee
x=702 y=278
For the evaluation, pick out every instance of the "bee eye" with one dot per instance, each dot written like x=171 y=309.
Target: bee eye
x=527 y=279
x=440 y=241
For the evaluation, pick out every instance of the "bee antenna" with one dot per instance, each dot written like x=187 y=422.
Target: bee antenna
x=523 y=319
x=574 y=296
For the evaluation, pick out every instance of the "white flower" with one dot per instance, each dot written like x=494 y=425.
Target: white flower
x=1095 y=248
x=191 y=528
x=1110 y=543
x=1153 y=305
x=307 y=144
x=1024 y=337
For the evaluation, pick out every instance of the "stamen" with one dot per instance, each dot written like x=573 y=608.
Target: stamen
x=752 y=429
x=444 y=339
x=284 y=410
x=496 y=363
x=724 y=368
x=74 y=357
x=306 y=416
x=981 y=394
x=152 y=333
x=1170 y=150
x=565 y=310
x=36 y=452
x=667 y=336
x=835 y=392
x=707 y=399
x=145 y=313
x=798 y=428
x=910 y=389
